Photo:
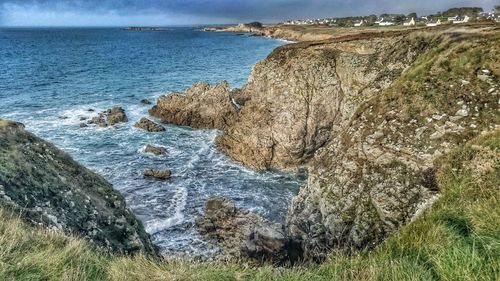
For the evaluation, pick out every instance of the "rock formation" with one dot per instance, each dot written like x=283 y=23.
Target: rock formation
x=149 y=125
x=109 y=117
x=156 y=150
x=302 y=95
x=46 y=187
x=158 y=174
x=241 y=233
x=202 y=106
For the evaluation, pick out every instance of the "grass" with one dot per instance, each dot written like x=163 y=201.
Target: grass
x=457 y=239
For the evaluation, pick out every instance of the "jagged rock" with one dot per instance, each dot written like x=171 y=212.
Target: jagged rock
x=241 y=233
x=156 y=150
x=201 y=106
x=157 y=173
x=145 y=101
x=110 y=117
x=149 y=125
x=301 y=96
x=46 y=187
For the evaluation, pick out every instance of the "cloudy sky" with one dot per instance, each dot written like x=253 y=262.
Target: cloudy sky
x=183 y=12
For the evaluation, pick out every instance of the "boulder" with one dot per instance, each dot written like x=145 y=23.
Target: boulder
x=158 y=174
x=149 y=125
x=156 y=150
x=110 y=117
x=241 y=233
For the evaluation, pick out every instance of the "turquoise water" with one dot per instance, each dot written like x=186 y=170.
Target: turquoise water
x=49 y=78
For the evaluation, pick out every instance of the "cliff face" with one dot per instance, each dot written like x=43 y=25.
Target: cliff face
x=379 y=171
x=302 y=95
x=46 y=187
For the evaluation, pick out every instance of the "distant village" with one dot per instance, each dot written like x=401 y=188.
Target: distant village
x=451 y=16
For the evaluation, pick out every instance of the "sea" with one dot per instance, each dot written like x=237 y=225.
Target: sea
x=51 y=78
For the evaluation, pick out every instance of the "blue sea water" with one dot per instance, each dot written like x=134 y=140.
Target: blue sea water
x=49 y=78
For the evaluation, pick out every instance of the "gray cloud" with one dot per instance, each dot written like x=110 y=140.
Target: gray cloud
x=116 y=12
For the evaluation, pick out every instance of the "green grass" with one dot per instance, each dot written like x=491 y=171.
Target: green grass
x=457 y=239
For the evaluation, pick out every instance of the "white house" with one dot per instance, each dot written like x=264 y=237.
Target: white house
x=463 y=19
x=410 y=22
x=434 y=23
x=384 y=22
x=358 y=24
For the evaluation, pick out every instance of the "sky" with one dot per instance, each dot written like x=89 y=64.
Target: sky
x=187 y=12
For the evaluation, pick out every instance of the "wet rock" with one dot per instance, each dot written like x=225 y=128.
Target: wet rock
x=201 y=106
x=145 y=101
x=241 y=233
x=83 y=125
x=110 y=117
x=56 y=192
x=149 y=125
x=116 y=115
x=158 y=174
x=156 y=150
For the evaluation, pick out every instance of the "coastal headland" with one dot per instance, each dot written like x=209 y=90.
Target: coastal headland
x=397 y=128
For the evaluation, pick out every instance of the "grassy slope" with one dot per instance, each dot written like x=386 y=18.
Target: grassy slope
x=457 y=239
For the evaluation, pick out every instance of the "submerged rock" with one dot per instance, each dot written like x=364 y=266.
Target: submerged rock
x=149 y=125
x=145 y=101
x=110 y=117
x=158 y=174
x=156 y=150
x=201 y=106
x=46 y=187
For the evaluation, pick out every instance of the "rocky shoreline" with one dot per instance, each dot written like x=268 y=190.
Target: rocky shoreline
x=369 y=115
x=354 y=111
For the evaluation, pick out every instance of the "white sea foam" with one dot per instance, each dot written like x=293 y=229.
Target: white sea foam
x=180 y=200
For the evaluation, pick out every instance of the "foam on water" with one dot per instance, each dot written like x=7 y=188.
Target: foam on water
x=138 y=65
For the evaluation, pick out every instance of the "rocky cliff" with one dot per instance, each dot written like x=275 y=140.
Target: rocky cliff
x=368 y=114
x=303 y=94
x=378 y=173
x=45 y=187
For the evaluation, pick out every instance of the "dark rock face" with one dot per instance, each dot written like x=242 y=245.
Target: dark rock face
x=241 y=233
x=110 y=117
x=202 y=106
x=149 y=125
x=48 y=188
x=158 y=174
x=156 y=150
